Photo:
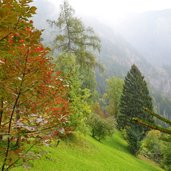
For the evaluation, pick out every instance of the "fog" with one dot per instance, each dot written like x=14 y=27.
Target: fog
x=145 y=24
x=109 y=11
x=131 y=32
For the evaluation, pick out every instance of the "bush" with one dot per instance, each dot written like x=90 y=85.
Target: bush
x=151 y=146
x=157 y=147
x=166 y=160
x=100 y=127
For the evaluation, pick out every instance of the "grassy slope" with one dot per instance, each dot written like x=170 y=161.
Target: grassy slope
x=91 y=155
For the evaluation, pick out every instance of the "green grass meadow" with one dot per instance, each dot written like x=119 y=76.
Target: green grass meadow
x=86 y=154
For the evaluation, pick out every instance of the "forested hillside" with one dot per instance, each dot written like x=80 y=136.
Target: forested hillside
x=149 y=33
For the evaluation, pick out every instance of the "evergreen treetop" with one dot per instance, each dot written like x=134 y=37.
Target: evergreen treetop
x=134 y=99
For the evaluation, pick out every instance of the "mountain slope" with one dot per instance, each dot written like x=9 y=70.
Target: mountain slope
x=120 y=51
x=150 y=34
x=117 y=55
x=87 y=154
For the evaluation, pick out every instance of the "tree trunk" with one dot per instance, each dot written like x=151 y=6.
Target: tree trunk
x=1 y=113
x=17 y=144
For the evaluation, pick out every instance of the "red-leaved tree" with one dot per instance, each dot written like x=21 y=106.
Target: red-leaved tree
x=33 y=98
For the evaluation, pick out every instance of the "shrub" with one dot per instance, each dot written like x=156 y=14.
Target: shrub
x=166 y=160
x=151 y=146
x=157 y=147
x=100 y=127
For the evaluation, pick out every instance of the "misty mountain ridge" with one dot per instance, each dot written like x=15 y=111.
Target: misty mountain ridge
x=135 y=43
x=118 y=54
x=150 y=34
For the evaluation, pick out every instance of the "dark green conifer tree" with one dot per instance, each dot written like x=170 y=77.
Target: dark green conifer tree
x=134 y=99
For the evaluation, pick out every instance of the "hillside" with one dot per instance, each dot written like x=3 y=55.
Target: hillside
x=143 y=42
x=117 y=55
x=150 y=34
x=87 y=154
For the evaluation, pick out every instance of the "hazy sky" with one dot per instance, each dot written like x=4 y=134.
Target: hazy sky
x=114 y=9
x=110 y=12
x=118 y=6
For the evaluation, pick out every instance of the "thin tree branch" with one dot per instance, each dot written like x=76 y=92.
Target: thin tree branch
x=13 y=110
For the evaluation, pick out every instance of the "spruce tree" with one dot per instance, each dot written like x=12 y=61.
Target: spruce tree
x=134 y=99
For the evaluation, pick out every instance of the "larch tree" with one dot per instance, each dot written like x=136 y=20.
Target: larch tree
x=74 y=38
x=134 y=99
x=75 y=47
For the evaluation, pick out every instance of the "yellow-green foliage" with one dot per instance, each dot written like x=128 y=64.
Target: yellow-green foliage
x=151 y=146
